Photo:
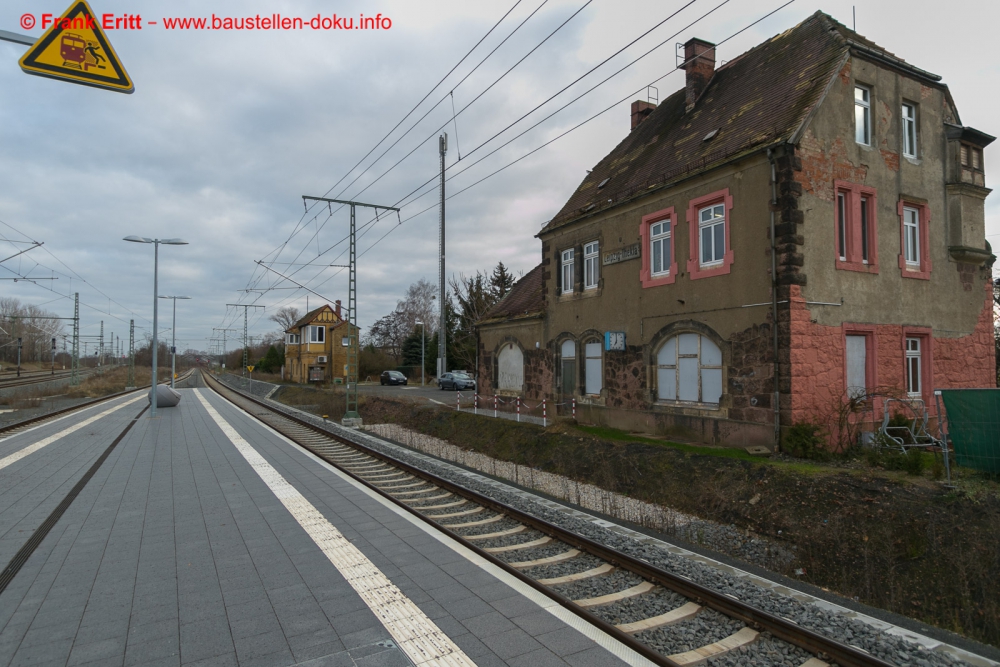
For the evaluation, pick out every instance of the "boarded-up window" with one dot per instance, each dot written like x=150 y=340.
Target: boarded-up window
x=510 y=367
x=689 y=368
x=857 y=364
x=568 y=357
x=592 y=370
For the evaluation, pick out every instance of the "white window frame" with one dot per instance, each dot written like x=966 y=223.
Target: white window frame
x=713 y=225
x=291 y=339
x=914 y=367
x=660 y=239
x=865 y=222
x=566 y=266
x=863 y=115
x=591 y=251
x=593 y=367
x=701 y=367
x=911 y=236
x=908 y=123
x=317 y=334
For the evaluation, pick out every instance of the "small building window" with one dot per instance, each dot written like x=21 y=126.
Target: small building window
x=567 y=271
x=855 y=237
x=689 y=368
x=911 y=236
x=909 y=122
x=317 y=334
x=913 y=364
x=292 y=339
x=712 y=231
x=862 y=115
x=593 y=376
x=856 y=353
x=590 y=265
x=659 y=248
x=567 y=355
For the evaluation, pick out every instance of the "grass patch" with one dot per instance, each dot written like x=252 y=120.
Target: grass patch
x=623 y=436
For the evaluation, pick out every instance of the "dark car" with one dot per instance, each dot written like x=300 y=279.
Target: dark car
x=391 y=377
x=456 y=381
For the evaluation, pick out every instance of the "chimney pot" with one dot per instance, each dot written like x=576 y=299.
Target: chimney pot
x=699 y=63
x=337 y=302
x=640 y=110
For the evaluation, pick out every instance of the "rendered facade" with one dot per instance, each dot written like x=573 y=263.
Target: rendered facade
x=816 y=181
x=316 y=346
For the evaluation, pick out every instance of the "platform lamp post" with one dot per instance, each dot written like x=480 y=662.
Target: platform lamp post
x=423 y=330
x=156 y=260
x=173 y=339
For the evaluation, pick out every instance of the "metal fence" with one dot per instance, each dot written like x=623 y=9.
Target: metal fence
x=514 y=408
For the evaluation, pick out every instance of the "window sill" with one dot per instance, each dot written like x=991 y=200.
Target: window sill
x=692 y=408
x=695 y=270
x=916 y=273
x=915 y=161
x=860 y=267
x=663 y=279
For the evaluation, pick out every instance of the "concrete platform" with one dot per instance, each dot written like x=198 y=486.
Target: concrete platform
x=206 y=538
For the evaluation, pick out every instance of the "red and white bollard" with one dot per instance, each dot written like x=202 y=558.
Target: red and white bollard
x=494 y=405
x=545 y=415
x=574 y=409
x=475 y=403
x=518 y=399
x=458 y=401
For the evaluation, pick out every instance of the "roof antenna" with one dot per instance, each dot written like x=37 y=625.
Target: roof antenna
x=854 y=16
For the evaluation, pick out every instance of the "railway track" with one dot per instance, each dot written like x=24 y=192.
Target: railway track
x=663 y=616
x=40 y=377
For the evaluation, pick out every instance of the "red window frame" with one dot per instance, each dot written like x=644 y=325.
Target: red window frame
x=853 y=193
x=926 y=360
x=645 y=273
x=694 y=259
x=871 y=352
x=923 y=229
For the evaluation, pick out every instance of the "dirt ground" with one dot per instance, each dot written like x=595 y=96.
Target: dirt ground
x=902 y=542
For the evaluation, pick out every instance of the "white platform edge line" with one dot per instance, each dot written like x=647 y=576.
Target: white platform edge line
x=400 y=616
x=602 y=639
x=66 y=416
x=926 y=642
x=14 y=457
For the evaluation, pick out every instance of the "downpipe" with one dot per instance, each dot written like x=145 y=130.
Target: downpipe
x=776 y=400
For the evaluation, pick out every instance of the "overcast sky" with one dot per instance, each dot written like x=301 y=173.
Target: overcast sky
x=227 y=130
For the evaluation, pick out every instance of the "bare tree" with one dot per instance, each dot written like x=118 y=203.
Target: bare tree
x=388 y=333
x=285 y=317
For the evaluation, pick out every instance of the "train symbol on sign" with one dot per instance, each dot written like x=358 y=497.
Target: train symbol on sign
x=79 y=53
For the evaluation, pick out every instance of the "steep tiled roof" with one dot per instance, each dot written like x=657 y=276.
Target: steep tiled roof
x=308 y=317
x=524 y=299
x=759 y=99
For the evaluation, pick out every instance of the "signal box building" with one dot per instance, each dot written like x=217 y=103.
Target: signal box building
x=818 y=182
x=316 y=346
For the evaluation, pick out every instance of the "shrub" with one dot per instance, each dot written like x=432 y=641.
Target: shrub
x=805 y=440
x=913 y=462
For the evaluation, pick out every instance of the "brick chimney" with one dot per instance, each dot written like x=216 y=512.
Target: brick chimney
x=337 y=303
x=640 y=110
x=699 y=62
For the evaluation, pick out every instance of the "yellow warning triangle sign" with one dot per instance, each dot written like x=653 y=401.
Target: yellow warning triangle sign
x=76 y=49
x=250 y=368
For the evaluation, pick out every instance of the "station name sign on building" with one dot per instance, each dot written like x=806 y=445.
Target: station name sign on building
x=622 y=254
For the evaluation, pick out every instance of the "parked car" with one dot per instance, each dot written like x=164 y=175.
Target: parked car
x=456 y=381
x=391 y=377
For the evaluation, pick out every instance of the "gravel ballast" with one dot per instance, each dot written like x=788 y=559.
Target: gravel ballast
x=654 y=603
x=826 y=622
x=593 y=587
x=707 y=627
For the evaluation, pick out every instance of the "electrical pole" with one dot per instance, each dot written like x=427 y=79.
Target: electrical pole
x=351 y=416
x=245 y=308
x=75 y=362
x=442 y=364
x=100 y=354
x=131 y=355
x=223 y=364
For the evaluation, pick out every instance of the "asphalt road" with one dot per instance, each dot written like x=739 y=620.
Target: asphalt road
x=414 y=392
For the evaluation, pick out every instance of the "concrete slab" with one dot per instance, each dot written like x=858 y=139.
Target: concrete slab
x=188 y=546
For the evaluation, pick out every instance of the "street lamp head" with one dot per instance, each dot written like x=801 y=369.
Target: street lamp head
x=174 y=297
x=137 y=239
x=418 y=322
x=174 y=242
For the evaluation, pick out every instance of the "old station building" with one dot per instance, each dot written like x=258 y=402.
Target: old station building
x=818 y=181
x=316 y=346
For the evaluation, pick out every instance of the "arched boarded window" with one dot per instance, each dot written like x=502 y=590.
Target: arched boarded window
x=567 y=354
x=593 y=376
x=689 y=368
x=510 y=366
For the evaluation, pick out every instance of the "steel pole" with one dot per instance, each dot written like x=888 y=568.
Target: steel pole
x=173 y=346
x=156 y=299
x=443 y=325
x=423 y=344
